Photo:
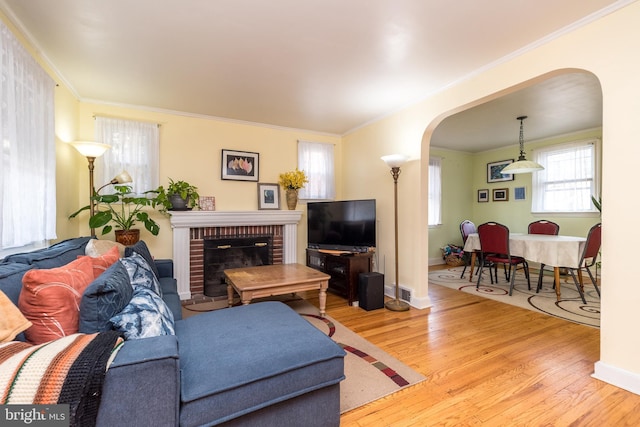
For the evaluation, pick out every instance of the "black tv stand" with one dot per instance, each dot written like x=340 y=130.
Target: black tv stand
x=344 y=268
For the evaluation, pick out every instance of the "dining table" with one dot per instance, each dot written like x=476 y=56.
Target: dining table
x=555 y=251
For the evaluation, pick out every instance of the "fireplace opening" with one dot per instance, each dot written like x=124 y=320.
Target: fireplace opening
x=233 y=252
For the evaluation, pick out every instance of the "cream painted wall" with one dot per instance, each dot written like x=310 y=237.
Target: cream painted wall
x=607 y=48
x=69 y=164
x=191 y=149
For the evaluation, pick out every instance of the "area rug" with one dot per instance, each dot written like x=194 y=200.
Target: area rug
x=570 y=307
x=370 y=372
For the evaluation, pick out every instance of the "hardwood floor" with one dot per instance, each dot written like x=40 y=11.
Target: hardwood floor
x=486 y=363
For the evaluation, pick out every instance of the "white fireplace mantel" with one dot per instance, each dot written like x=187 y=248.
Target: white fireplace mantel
x=182 y=222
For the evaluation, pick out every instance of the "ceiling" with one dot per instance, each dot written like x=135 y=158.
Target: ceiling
x=328 y=66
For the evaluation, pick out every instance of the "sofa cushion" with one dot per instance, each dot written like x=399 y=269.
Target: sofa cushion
x=55 y=255
x=281 y=356
x=102 y=262
x=105 y=297
x=11 y=279
x=142 y=249
x=50 y=299
x=171 y=297
x=145 y=316
x=140 y=273
x=12 y=321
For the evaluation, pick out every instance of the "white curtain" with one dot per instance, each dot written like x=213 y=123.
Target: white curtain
x=28 y=162
x=435 y=191
x=316 y=160
x=569 y=178
x=134 y=148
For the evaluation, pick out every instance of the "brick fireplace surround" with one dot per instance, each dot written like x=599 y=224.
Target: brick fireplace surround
x=191 y=227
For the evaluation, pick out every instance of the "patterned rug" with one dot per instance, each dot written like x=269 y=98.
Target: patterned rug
x=370 y=372
x=570 y=307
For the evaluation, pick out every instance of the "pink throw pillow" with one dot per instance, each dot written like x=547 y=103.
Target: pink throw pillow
x=50 y=299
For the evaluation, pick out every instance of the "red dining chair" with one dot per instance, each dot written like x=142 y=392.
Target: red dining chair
x=587 y=260
x=544 y=227
x=494 y=247
x=467 y=227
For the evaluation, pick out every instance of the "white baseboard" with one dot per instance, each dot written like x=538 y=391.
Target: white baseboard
x=415 y=302
x=626 y=380
x=436 y=261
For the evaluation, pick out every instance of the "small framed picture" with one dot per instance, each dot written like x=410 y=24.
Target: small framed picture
x=520 y=193
x=240 y=165
x=494 y=171
x=500 y=194
x=483 y=196
x=268 y=196
x=207 y=203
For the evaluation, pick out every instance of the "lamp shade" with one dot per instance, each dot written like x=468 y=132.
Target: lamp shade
x=395 y=160
x=522 y=166
x=122 y=178
x=90 y=148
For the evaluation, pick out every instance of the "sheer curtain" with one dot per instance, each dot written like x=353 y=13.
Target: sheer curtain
x=134 y=148
x=569 y=178
x=316 y=160
x=435 y=191
x=28 y=162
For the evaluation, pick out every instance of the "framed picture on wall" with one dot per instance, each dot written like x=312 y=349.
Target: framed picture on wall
x=500 y=194
x=268 y=196
x=494 y=171
x=240 y=165
x=520 y=193
x=483 y=196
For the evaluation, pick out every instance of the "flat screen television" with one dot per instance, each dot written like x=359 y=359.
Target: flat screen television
x=348 y=225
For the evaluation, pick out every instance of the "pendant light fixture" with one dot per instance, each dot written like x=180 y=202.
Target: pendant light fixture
x=522 y=165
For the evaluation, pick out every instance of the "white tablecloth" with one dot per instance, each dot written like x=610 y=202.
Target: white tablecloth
x=554 y=251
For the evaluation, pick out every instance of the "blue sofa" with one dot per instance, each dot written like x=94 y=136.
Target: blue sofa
x=260 y=364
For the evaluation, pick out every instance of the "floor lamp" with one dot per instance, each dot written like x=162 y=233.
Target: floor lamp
x=394 y=161
x=91 y=150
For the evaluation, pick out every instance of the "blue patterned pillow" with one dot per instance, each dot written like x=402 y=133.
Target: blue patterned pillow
x=142 y=249
x=105 y=297
x=145 y=316
x=140 y=273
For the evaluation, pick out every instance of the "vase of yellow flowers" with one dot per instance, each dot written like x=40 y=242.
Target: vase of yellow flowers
x=292 y=181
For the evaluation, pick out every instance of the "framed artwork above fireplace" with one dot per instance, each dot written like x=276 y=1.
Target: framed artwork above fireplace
x=240 y=165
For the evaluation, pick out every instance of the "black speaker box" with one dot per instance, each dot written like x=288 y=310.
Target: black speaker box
x=371 y=291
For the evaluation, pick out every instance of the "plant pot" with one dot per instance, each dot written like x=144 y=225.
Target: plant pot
x=292 y=199
x=128 y=237
x=178 y=203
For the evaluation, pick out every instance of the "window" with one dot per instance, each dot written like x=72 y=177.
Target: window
x=435 y=191
x=27 y=156
x=316 y=160
x=134 y=148
x=569 y=179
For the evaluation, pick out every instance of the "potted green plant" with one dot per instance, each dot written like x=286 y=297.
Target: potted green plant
x=178 y=196
x=124 y=209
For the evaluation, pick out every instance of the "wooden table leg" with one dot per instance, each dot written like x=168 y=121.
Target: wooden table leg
x=580 y=280
x=230 y=294
x=322 y=299
x=556 y=277
x=473 y=263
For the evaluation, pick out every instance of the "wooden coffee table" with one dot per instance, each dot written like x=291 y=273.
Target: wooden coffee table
x=269 y=280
